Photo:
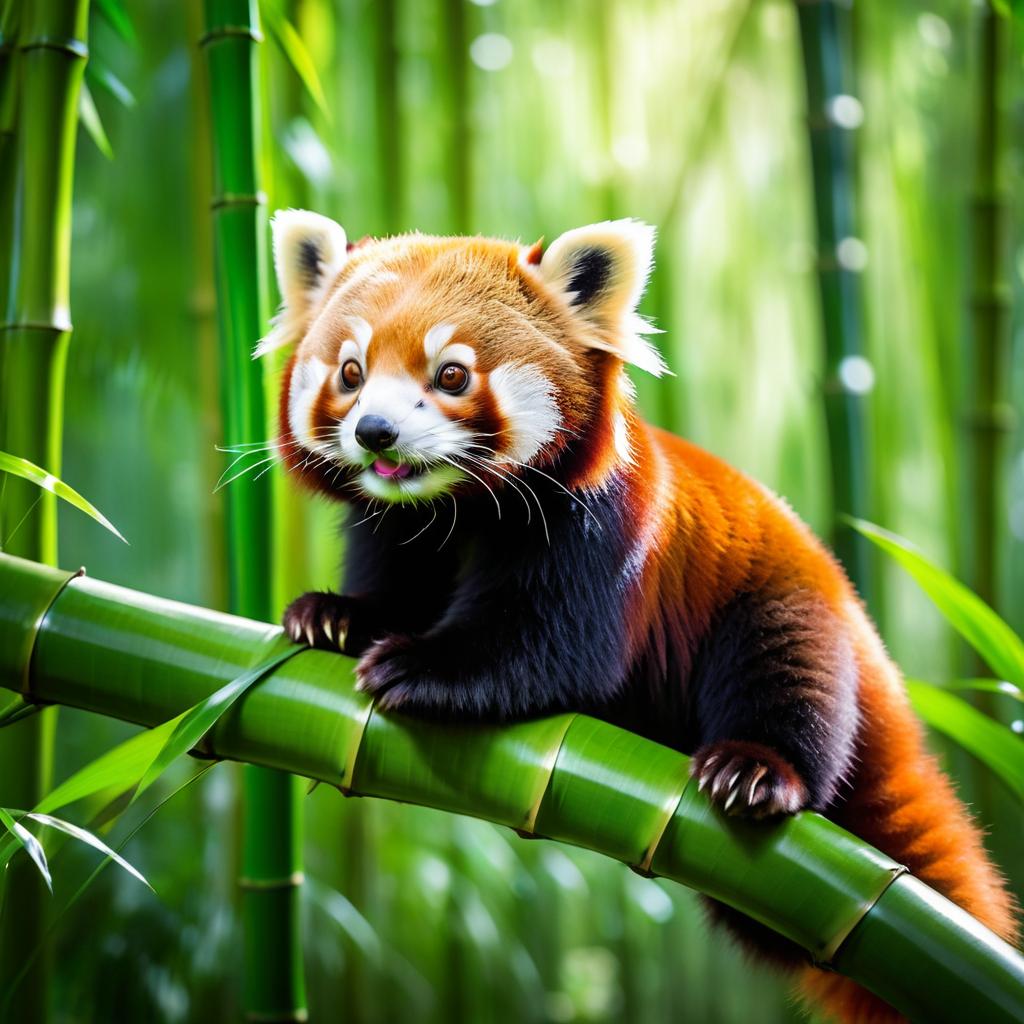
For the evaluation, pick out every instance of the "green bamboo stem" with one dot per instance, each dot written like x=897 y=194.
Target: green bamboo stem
x=570 y=778
x=990 y=416
x=458 y=110
x=39 y=89
x=388 y=128
x=8 y=119
x=271 y=859
x=824 y=36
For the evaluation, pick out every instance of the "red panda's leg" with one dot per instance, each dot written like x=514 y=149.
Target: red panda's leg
x=775 y=697
x=396 y=581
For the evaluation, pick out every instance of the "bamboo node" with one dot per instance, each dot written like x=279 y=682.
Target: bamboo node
x=238 y=199
x=669 y=809
x=285 y=1017
x=231 y=32
x=62 y=326
x=292 y=881
x=73 y=47
x=26 y=682
x=530 y=822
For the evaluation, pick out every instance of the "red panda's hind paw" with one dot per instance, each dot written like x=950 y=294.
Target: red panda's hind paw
x=748 y=779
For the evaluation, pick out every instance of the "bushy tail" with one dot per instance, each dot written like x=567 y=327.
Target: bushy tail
x=905 y=806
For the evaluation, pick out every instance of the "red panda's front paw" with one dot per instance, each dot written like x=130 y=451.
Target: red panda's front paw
x=319 y=619
x=748 y=779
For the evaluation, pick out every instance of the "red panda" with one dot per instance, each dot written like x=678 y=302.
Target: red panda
x=520 y=542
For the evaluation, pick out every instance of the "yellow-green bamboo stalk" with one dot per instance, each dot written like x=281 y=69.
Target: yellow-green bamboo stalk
x=271 y=858
x=35 y=329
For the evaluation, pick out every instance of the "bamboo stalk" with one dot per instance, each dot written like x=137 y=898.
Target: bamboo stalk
x=833 y=113
x=388 y=127
x=570 y=778
x=990 y=417
x=271 y=859
x=35 y=329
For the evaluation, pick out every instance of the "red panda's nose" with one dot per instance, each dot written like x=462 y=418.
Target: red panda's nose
x=375 y=433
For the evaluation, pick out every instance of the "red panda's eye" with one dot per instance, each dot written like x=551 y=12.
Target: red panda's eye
x=452 y=378
x=351 y=375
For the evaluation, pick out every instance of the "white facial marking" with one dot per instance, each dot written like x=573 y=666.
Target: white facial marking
x=363 y=333
x=527 y=400
x=307 y=380
x=436 y=338
x=458 y=353
x=350 y=350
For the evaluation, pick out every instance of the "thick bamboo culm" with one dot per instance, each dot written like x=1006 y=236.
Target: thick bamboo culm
x=571 y=778
x=832 y=115
x=272 y=852
x=42 y=60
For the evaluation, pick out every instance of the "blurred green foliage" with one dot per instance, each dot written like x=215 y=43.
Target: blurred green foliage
x=519 y=119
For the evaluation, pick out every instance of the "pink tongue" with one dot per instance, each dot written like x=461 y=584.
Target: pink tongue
x=382 y=467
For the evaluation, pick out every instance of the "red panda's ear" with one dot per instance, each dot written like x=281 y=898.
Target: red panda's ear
x=601 y=271
x=309 y=250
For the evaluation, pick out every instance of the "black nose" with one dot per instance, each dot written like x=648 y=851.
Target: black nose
x=375 y=433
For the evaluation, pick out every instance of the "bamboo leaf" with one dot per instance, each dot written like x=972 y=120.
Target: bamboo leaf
x=117 y=16
x=198 y=720
x=118 y=769
x=17 y=466
x=55 y=920
x=988 y=686
x=84 y=836
x=29 y=843
x=93 y=124
x=971 y=617
x=299 y=57
x=988 y=740
x=100 y=74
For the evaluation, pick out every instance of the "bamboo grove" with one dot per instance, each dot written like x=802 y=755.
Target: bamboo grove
x=837 y=277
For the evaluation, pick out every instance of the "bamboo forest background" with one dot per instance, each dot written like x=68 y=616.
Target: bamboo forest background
x=518 y=118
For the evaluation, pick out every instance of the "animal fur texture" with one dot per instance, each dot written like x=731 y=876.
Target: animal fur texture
x=520 y=542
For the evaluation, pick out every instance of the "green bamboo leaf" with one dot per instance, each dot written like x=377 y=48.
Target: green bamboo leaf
x=56 y=918
x=988 y=740
x=15 y=709
x=84 y=836
x=988 y=686
x=971 y=617
x=117 y=16
x=29 y=843
x=193 y=725
x=299 y=57
x=100 y=74
x=118 y=770
x=17 y=466
x=93 y=124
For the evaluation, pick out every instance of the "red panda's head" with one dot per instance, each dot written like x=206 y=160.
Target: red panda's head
x=426 y=365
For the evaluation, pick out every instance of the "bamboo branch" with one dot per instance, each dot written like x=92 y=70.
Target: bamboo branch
x=570 y=778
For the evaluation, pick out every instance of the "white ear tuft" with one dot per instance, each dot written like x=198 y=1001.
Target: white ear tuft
x=601 y=271
x=309 y=250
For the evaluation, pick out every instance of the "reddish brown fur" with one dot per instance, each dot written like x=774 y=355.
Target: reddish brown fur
x=710 y=535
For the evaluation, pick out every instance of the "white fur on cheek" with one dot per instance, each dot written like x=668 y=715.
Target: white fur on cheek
x=308 y=379
x=527 y=401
